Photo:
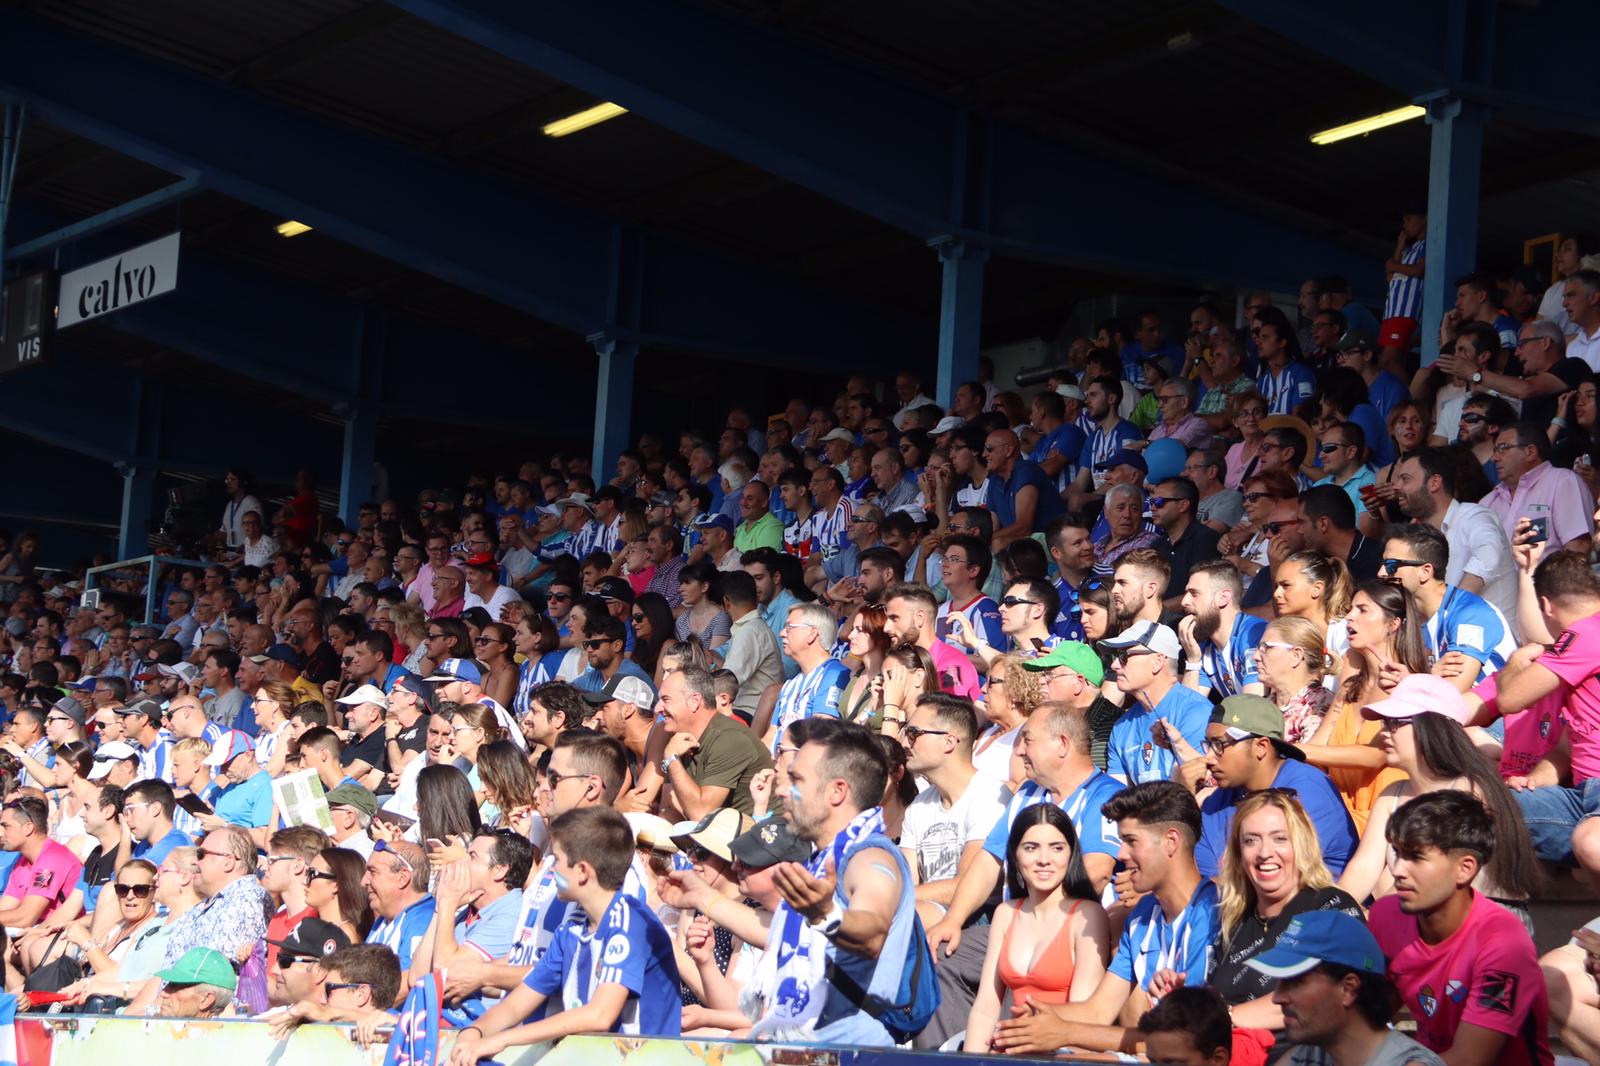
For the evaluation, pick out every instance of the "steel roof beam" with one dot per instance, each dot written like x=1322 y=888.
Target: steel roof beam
x=882 y=147
x=502 y=240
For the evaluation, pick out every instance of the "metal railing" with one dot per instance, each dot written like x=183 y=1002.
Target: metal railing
x=151 y=564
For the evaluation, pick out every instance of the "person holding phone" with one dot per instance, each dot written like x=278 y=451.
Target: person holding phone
x=1558 y=502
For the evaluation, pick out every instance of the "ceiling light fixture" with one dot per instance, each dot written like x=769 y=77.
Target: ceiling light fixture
x=1367 y=125
x=291 y=228
x=591 y=116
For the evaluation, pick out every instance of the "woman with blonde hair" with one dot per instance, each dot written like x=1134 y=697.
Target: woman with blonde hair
x=1011 y=695
x=410 y=633
x=1292 y=663
x=1385 y=636
x=1271 y=871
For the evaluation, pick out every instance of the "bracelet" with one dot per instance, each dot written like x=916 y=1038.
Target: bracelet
x=464 y=1031
x=1192 y=668
x=1559 y=422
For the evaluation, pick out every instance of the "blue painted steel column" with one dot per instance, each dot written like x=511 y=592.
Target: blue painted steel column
x=960 y=315
x=360 y=415
x=139 y=472
x=1454 y=172
x=613 y=402
x=10 y=150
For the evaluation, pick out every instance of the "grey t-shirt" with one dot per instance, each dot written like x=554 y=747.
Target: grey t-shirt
x=1397 y=1049
x=1226 y=507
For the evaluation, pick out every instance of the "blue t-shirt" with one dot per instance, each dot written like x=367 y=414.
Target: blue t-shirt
x=1470 y=624
x=629 y=947
x=1328 y=814
x=490 y=933
x=247 y=803
x=1133 y=756
x=1287 y=388
x=983 y=614
x=1385 y=392
x=1151 y=944
x=155 y=852
x=402 y=933
x=1230 y=668
x=1067 y=441
x=807 y=695
x=1096 y=834
x=592 y=680
x=1002 y=498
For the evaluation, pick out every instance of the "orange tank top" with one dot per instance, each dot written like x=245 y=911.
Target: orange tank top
x=1050 y=979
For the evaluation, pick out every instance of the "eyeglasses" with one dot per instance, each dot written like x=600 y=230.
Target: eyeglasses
x=1251 y=412
x=1394 y=725
x=388 y=849
x=1252 y=497
x=487 y=640
x=1017 y=601
x=281 y=858
x=911 y=734
x=552 y=779
x=1502 y=448
x=1274 y=528
x=136 y=891
x=1391 y=566
x=1218 y=745
x=437 y=636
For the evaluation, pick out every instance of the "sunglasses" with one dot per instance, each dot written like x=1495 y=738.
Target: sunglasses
x=911 y=734
x=1157 y=502
x=1274 y=528
x=1329 y=449
x=321 y=875
x=698 y=855
x=136 y=891
x=286 y=960
x=1392 y=566
x=384 y=847
x=1472 y=419
x=334 y=986
x=487 y=640
x=1122 y=659
x=559 y=596
x=637 y=618
x=1017 y=601
x=1252 y=497
x=595 y=642
x=1394 y=725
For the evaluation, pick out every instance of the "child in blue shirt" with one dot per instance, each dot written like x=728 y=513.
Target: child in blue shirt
x=613 y=972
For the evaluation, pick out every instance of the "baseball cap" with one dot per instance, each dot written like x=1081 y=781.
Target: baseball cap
x=1358 y=340
x=185 y=672
x=768 y=844
x=482 y=560
x=456 y=670
x=1124 y=457
x=350 y=794
x=284 y=653
x=838 y=433
x=947 y=424
x=232 y=745
x=624 y=687
x=149 y=708
x=108 y=755
x=69 y=707
x=1246 y=715
x=715 y=832
x=259 y=660
x=1419 y=693
x=706 y=520
x=365 y=694
x=201 y=966
x=1158 y=638
x=312 y=938
x=1316 y=937
x=1069 y=392
x=149 y=674
x=614 y=588
x=1075 y=656
x=84 y=684
x=661 y=499
x=577 y=499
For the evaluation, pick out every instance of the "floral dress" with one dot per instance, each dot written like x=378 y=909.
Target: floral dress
x=1303 y=713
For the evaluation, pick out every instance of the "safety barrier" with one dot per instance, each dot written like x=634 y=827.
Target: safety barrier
x=151 y=564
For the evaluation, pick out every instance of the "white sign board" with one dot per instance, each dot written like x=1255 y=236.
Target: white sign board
x=121 y=281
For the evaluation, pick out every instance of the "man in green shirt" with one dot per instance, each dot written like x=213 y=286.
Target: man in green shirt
x=760 y=528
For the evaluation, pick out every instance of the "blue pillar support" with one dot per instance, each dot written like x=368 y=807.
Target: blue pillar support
x=960 y=315
x=139 y=471
x=1454 y=172
x=613 y=401
x=10 y=149
x=360 y=415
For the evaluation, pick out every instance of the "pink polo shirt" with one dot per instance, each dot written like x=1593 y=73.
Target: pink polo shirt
x=53 y=875
x=1531 y=734
x=957 y=675
x=1546 y=492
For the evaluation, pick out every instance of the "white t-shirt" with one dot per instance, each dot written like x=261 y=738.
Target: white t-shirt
x=233 y=514
x=1447 y=411
x=994 y=761
x=503 y=594
x=1550 y=307
x=936 y=835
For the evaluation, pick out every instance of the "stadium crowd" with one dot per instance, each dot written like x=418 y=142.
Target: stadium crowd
x=1225 y=699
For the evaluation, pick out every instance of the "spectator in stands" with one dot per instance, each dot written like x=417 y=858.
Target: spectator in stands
x=1220 y=507
x=1336 y=1000
x=1023 y=499
x=1557 y=501
x=397 y=880
x=1127 y=531
x=1219 y=640
x=912 y=618
x=1343 y=451
x=1480 y=554
x=1170 y=930
x=1146 y=666
x=1173 y=507
x=1283 y=381
x=1109 y=435
x=1440 y=842
x=1455 y=623
x=710 y=758
x=1190 y=1027
x=1580 y=299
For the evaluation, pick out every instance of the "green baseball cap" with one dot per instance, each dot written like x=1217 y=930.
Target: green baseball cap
x=1248 y=715
x=350 y=794
x=202 y=966
x=1079 y=658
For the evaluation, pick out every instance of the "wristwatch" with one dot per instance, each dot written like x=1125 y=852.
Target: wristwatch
x=666 y=764
x=829 y=926
x=1477 y=377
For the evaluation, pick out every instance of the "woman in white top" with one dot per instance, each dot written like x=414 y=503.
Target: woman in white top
x=274 y=703
x=258 y=547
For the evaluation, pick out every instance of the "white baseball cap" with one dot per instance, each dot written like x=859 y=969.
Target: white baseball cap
x=1158 y=638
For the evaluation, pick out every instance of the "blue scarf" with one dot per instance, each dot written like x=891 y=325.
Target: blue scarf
x=416 y=1035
